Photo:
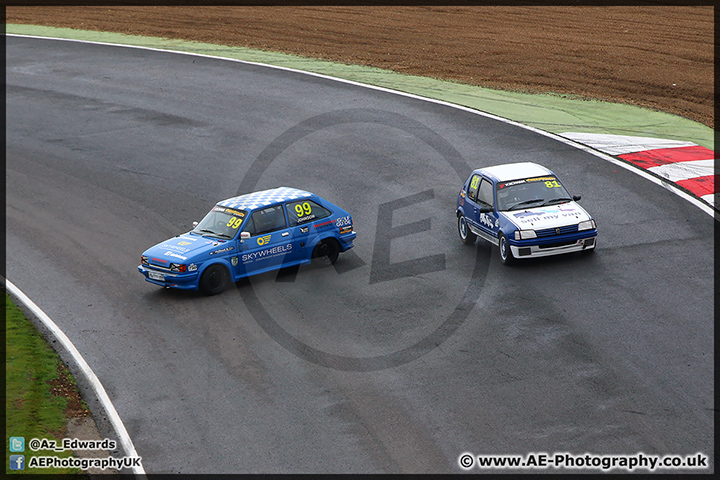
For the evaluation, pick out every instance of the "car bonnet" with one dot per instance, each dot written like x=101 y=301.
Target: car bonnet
x=184 y=248
x=550 y=216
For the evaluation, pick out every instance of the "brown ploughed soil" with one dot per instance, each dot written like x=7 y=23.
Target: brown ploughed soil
x=659 y=57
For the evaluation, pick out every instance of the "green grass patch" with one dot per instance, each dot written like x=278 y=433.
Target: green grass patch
x=555 y=113
x=33 y=372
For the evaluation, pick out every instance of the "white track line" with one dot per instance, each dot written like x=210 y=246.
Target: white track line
x=641 y=172
x=115 y=420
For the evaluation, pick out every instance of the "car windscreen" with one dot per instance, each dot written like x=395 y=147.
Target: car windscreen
x=530 y=192
x=221 y=222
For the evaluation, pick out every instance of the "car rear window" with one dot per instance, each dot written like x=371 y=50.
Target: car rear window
x=305 y=211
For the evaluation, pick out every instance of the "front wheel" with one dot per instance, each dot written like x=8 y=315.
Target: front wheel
x=326 y=252
x=506 y=255
x=466 y=235
x=214 y=280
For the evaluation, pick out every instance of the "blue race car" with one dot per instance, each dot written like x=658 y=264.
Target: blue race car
x=524 y=210
x=247 y=235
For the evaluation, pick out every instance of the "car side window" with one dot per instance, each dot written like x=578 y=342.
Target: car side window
x=485 y=193
x=266 y=220
x=305 y=211
x=474 y=184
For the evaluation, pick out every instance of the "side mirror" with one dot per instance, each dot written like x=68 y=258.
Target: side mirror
x=486 y=209
x=195 y=224
x=244 y=235
x=576 y=198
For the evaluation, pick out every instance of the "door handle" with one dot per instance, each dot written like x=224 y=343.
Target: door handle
x=285 y=234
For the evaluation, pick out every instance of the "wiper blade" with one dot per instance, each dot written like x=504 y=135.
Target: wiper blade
x=557 y=200
x=526 y=202
x=217 y=234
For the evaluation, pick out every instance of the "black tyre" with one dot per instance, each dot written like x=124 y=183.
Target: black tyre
x=466 y=235
x=214 y=280
x=326 y=252
x=506 y=255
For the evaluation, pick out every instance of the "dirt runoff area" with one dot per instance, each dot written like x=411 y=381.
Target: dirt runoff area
x=660 y=57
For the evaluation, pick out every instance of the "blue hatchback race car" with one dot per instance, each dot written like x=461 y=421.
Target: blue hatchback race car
x=524 y=210
x=247 y=235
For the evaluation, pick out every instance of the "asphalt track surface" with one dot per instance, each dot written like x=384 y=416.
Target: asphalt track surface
x=410 y=351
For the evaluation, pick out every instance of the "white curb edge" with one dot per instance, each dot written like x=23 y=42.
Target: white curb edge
x=90 y=376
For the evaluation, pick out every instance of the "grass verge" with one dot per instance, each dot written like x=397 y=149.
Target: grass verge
x=40 y=393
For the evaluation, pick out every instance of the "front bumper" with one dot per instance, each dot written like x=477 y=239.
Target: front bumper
x=576 y=242
x=184 y=281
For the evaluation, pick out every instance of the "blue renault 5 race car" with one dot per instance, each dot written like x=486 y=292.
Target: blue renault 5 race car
x=247 y=235
x=525 y=210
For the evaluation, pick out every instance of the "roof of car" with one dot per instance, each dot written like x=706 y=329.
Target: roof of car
x=264 y=198
x=515 y=171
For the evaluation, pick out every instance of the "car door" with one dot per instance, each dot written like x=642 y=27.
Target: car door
x=486 y=222
x=270 y=245
x=472 y=209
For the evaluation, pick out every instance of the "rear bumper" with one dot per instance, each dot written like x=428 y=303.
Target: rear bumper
x=346 y=240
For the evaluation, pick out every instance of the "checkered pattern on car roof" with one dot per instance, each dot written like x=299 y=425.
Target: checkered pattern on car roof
x=263 y=198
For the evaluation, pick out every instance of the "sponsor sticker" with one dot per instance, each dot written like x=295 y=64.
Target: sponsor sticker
x=267 y=253
x=343 y=221
x=176 y=247
x=325 y=224
x=223 y=250
x=237 y=213
x=487 y=220
x=306 y=218
x=510 y=184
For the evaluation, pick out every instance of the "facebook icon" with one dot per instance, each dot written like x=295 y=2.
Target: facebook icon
x=17 y=462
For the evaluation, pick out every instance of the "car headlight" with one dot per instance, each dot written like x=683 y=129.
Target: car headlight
x=586 y=225
x=525 y=234
x=178 y=267
x=144 y=259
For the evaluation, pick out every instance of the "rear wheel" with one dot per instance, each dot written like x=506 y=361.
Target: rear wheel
x=326 y=252
x=466 y=235
x=506 y=255
x=214 y=280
